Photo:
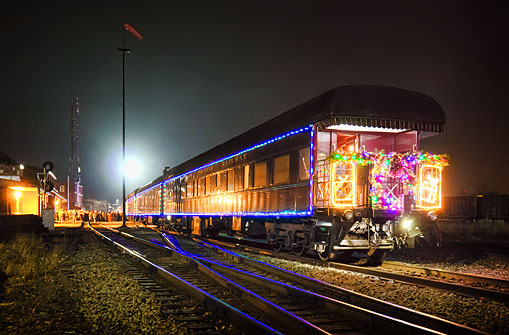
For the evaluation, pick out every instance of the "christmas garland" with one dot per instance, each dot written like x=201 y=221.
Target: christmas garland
x=391 y=165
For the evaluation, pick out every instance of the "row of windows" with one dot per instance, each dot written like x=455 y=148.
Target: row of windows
x=237 y=179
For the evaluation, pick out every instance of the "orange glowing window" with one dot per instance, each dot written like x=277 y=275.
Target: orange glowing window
x=430 y=186
x=343 y=184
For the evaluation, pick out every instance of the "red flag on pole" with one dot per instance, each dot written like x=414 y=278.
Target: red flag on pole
x=132 y=31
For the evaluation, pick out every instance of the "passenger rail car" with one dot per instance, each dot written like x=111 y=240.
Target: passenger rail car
x=339 y=173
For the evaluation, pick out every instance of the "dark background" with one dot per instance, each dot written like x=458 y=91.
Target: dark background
x=209 y=70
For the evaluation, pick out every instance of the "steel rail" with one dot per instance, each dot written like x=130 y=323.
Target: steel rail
x=358 y=299
x=459 y=289
x=375 y=320
x=451 y=275
x=290 y=320
x=466 y=290
x=235 y=316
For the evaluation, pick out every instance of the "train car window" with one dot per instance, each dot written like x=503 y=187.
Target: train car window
x=406 y=141
x=260 y=174
x=345 y=143
x=378 y=141
x=281 y=169
x=223 y=181
x=323 y=145
x=304 y=163
x=190 y=188
x=231 y=180
x=183 y=189
x=171 y=192
x=333 y=142
x=211 y=184
x=201 y=182
x=239 y=175
x=246 y=176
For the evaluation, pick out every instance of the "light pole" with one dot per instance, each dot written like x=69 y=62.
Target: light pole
x=125 y=51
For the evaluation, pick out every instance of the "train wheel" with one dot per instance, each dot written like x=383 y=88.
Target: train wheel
x=300 y=248
x=279 y=245
x=326 y=255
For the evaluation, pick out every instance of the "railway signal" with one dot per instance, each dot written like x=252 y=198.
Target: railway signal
x=45 y=184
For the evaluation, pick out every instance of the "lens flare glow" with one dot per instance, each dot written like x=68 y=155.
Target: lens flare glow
x=132 y=168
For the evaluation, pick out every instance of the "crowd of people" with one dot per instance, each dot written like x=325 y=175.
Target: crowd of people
x=74 y=215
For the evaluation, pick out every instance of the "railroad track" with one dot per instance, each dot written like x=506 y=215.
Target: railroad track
x=458 y=283
x=327 y=316
x=194 y=285
x=257 y=276
x=449 y=275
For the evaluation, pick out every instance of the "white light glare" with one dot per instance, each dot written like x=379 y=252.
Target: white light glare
x=349 y=127
x=132 y=168
x=407 y=223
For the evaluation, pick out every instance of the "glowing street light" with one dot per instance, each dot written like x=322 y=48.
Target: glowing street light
x=132 y=168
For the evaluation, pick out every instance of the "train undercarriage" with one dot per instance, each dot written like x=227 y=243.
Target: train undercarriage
x=361 y=239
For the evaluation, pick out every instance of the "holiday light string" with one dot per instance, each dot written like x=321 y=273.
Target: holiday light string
x=392 y=173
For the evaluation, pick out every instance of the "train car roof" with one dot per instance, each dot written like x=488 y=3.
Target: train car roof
x=363 y=105
x=145 y=187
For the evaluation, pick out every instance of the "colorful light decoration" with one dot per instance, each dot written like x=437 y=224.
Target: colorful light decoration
x=394 y=174
x=343 y=186
x=430 y=180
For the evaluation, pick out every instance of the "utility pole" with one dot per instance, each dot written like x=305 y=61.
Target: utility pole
x=125 y=51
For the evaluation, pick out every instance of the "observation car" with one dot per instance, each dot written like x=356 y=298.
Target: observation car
x=342 y=172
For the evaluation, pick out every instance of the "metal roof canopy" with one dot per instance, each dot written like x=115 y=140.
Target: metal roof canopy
x=362 y=105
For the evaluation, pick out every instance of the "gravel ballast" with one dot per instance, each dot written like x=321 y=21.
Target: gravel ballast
x=84 y=292
x=483 y=314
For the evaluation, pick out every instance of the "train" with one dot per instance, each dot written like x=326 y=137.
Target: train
x=476 y=207
x=338 y=174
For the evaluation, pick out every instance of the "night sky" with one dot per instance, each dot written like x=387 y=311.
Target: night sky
x=208 y=71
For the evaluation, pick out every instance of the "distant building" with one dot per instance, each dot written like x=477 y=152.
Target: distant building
x=93 y=205
x=101 y=205
x=72 y=191
x=20 y=191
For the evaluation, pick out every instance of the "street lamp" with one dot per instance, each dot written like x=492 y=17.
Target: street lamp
x=125 y=51
x=132 y=169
